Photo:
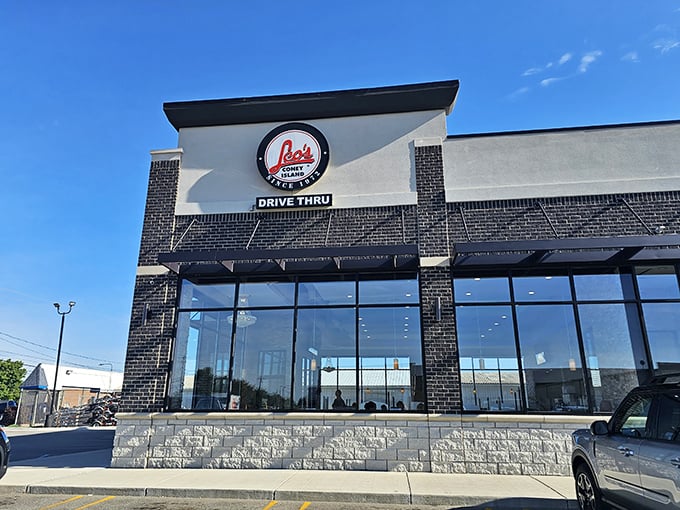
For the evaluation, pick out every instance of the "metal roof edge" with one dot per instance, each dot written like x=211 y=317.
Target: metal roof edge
x=440 y=95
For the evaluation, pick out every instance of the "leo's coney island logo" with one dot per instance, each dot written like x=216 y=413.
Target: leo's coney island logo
x=292 y=156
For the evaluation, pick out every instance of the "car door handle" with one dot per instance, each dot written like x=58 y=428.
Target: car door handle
x=676 y=462
x=626 y=451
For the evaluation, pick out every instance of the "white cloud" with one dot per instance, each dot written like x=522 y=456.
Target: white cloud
x=631 y=56
x=519 y=92
x=588 y=59
x=565 y=58
x=549 y=81
x=665 y=45
x=536 y=70
x=532 y=71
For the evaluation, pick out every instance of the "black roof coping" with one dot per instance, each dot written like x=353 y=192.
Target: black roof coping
x=596 y=127
x=439 y=95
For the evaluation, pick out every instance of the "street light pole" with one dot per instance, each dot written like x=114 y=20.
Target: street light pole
x=110 y=365
x=71 y=304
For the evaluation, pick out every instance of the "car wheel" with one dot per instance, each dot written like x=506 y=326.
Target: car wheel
x=587 y=492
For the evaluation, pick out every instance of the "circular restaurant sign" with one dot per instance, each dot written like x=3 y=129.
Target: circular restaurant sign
x=293 y=156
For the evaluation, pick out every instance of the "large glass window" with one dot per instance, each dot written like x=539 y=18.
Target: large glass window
x=325 y=359
x=390 y=359
x=551 y=360
x=657 y=282
x=204 y=357
x=351 y=343
x=262 y=361
x=488 y=358
x=541 y=288
x=623 y=323
x=615 y=356
x=481 y=290
x=198 y=297
x=662 y=322
x=603 y=287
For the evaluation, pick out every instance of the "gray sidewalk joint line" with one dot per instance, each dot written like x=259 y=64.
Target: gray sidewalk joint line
x=565 y=498
x=276 y=489
x=410 y=490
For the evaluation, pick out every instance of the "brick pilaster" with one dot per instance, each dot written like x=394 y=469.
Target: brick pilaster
x=439 y=343
x=152 y=322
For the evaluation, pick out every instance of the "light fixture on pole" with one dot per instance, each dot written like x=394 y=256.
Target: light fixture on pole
x=110 y=365
x=71 y=304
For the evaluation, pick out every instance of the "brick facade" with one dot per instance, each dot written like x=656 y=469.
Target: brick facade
x=441 y=440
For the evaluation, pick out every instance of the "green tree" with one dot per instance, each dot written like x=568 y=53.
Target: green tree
x=12 y=374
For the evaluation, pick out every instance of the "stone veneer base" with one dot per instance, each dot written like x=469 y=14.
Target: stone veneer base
x=482 y=444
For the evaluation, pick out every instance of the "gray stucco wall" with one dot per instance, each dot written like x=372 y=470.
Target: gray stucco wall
x=371 y=163
x=588 y=161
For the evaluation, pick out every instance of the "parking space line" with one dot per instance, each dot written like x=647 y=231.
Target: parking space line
x=54 y=505
x=271 y=504
x=305 y=505
x=95 y=502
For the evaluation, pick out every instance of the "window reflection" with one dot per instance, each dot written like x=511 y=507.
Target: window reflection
x=488 y=358
x=662 y=321
x=266 y=294
x=601 y=287
x=325 y=359
x=541 y=288
x=197 y=297
x=242 y=358
x=327 y=293
x=201 y=361
x=657 y=282
x=391 y=368
x=388 y=291
x=612 y=339
x=262 y=362
x=481 y=290
x=551 y=360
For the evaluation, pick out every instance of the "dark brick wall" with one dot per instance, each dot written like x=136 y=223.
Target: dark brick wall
x=432 y=218
x=151 y=324
x=440 y=350
x=149 y=343
x=439 y=343
x=589 y=216
x=298 y=229
x=159 y=216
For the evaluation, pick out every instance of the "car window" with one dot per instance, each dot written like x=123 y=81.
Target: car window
x=668 y=428
x=631 y=419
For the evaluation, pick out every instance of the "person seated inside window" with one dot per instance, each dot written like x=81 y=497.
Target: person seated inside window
x=338 y=403
x=370 y=406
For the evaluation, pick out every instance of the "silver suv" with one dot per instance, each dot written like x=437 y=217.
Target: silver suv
x=633 y=460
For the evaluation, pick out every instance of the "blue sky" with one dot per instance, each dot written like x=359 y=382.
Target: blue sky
x=82 y=86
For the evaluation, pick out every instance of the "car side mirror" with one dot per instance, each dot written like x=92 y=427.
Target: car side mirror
x=599 y=428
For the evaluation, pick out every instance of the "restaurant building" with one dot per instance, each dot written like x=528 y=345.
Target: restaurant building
x=329 y=281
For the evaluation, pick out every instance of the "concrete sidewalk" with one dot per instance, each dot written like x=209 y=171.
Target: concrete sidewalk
x=49 y=476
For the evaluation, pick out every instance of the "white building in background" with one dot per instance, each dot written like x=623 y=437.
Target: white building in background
x=75 y=387
x=42 y=378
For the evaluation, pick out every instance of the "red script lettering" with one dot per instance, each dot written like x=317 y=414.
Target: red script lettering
x=288 y=157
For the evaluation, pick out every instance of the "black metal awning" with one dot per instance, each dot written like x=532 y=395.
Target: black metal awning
x=326 y=259
x=605 y=250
